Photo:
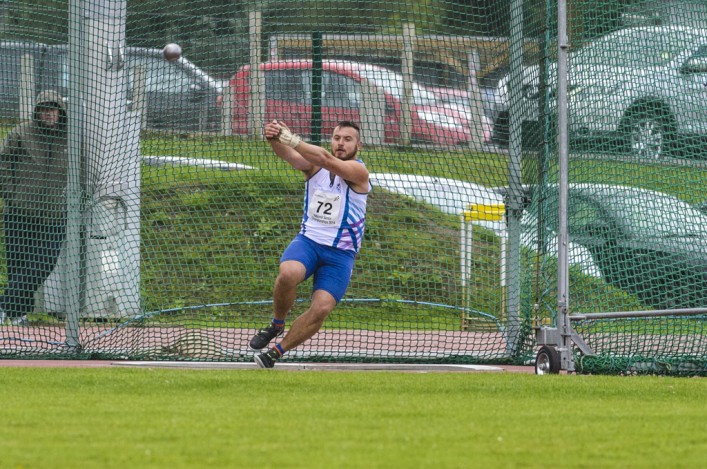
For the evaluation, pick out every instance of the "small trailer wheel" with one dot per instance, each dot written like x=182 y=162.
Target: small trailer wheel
x=547 y=361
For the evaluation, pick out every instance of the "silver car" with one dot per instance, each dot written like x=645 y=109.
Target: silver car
x=645 y=85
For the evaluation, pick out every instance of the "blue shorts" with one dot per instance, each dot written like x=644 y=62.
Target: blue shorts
x=330 y=266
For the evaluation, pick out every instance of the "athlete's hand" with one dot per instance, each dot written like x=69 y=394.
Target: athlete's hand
x=272 y=130
x=286 y=137
x=277 y=130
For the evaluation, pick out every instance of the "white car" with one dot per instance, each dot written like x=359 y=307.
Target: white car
x=448 y=195
x=646 y=85
x=454 y=197
x=647 y=243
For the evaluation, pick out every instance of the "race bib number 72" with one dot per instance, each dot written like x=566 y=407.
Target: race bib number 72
x=324 y=207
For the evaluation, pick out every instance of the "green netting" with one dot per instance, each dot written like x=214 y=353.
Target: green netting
x=656 y=345
x=636 y=143
x=173 y=210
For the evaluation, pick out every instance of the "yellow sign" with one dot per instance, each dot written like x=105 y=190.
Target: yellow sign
x=482 y=212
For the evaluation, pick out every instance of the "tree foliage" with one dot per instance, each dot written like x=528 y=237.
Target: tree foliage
x=214 y=33
x=35 y=20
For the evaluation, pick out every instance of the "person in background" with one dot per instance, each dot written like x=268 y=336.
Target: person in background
x=335 y=196
x=33 y=175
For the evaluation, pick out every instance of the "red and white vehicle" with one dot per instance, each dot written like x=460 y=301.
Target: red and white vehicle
x=288 y=97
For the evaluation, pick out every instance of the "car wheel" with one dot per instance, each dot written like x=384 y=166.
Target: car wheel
x=648 y=135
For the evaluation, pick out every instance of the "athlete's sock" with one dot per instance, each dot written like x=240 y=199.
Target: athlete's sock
x=278 y=349
x=279 y=323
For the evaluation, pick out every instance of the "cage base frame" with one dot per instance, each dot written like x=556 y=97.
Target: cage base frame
x=556 y=342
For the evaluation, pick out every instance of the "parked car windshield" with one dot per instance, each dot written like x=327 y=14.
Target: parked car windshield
x=392 y=83
x=650 y=215
x=638 y=48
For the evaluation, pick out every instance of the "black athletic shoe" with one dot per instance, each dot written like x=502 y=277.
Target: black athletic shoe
x=267 y=359
x=263 y=337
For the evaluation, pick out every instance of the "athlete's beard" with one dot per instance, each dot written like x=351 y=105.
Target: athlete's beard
x=348 y=156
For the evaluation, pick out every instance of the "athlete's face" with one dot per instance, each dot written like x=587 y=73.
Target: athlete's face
x=345 y=143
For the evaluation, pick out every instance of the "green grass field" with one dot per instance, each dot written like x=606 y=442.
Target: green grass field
x=179 y=418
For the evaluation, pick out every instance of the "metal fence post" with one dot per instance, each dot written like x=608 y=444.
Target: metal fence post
x=256 y=82
x=407 y=70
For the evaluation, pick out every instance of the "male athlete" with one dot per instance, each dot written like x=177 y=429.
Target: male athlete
x=335 y=193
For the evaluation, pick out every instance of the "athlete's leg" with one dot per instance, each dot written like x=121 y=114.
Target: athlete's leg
x=332 y=271
x=309 y=322
x=291 y=274
x=296 y=264
x=329 y=286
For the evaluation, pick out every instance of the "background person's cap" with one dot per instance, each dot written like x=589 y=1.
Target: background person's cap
x=48 y=105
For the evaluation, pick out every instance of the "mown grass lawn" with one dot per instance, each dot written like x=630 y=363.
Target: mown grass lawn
x=153 y=417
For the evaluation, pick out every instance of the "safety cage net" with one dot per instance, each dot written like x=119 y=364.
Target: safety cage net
x=147 y=219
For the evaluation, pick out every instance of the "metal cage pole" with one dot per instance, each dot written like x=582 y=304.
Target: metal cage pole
x=563 y=322
x=101 y=277
x=514 y=205
x=556 y=343
x=72 y=286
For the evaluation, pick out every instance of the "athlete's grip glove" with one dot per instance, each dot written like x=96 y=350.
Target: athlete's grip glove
x=288 y=138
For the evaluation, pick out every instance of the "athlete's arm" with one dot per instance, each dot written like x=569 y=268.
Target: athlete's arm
x=293 y=157
x=351 y=171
